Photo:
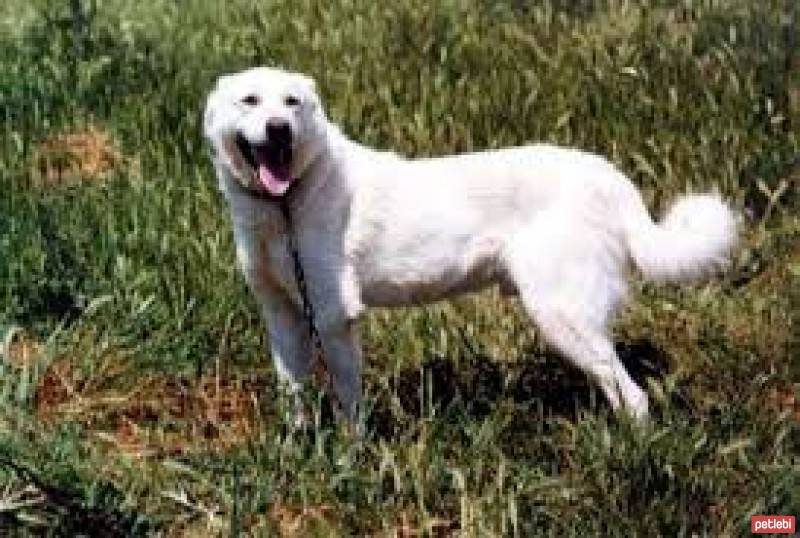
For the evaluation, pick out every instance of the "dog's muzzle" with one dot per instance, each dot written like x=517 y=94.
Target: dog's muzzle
x=270 y=161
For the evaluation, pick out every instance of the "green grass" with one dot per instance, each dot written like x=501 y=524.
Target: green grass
x=146 y=405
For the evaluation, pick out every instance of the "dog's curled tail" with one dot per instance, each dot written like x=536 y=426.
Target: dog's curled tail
x=695 y=237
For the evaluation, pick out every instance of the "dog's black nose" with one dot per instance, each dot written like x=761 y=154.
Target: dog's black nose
x=279 y=133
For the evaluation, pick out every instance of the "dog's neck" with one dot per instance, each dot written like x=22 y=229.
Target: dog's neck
x=316 y=169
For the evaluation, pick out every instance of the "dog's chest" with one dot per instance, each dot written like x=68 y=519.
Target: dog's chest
x=264 y=256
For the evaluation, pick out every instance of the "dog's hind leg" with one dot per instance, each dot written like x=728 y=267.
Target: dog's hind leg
x=590 y=349
x=570 y=285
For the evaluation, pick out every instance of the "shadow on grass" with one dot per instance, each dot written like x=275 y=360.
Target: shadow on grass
x=476 y=385
x=57 y=511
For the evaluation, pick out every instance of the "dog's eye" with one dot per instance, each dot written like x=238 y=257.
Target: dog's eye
x=291 y=100
x=250 y=100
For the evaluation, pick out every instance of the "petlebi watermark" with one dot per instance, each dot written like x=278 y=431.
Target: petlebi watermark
x=772 y=524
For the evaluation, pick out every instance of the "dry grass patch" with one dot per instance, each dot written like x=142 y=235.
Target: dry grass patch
x=178 y=416
x=294 y=521
x=784 y=400
x=285 y=520
x=408 y=528
x=19 y=348
x=89 y=154
x=162 y=415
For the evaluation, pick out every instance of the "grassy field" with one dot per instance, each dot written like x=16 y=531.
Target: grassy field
x=136 y=396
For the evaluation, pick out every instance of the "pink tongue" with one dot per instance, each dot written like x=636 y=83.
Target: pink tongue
x=276 y=182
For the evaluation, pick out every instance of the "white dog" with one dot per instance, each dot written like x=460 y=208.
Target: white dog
x=555 y=226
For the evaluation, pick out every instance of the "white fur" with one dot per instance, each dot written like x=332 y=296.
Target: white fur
x=556 y=226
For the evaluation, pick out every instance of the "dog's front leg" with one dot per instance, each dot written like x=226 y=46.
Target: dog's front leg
x=338 y=306
x=286 y=327
x=291 y=353
x=343 y=360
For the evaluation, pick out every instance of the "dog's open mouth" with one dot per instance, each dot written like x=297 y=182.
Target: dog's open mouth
x=270 y=161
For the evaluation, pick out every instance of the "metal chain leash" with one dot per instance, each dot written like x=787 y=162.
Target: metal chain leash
x=302 y=287
x=319 y=370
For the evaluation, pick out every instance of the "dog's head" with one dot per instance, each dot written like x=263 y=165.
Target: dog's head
x=265 y=126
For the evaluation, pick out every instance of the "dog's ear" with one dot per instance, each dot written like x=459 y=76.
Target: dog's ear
x=208 y=115
x=212 y=102
x=310 y=90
